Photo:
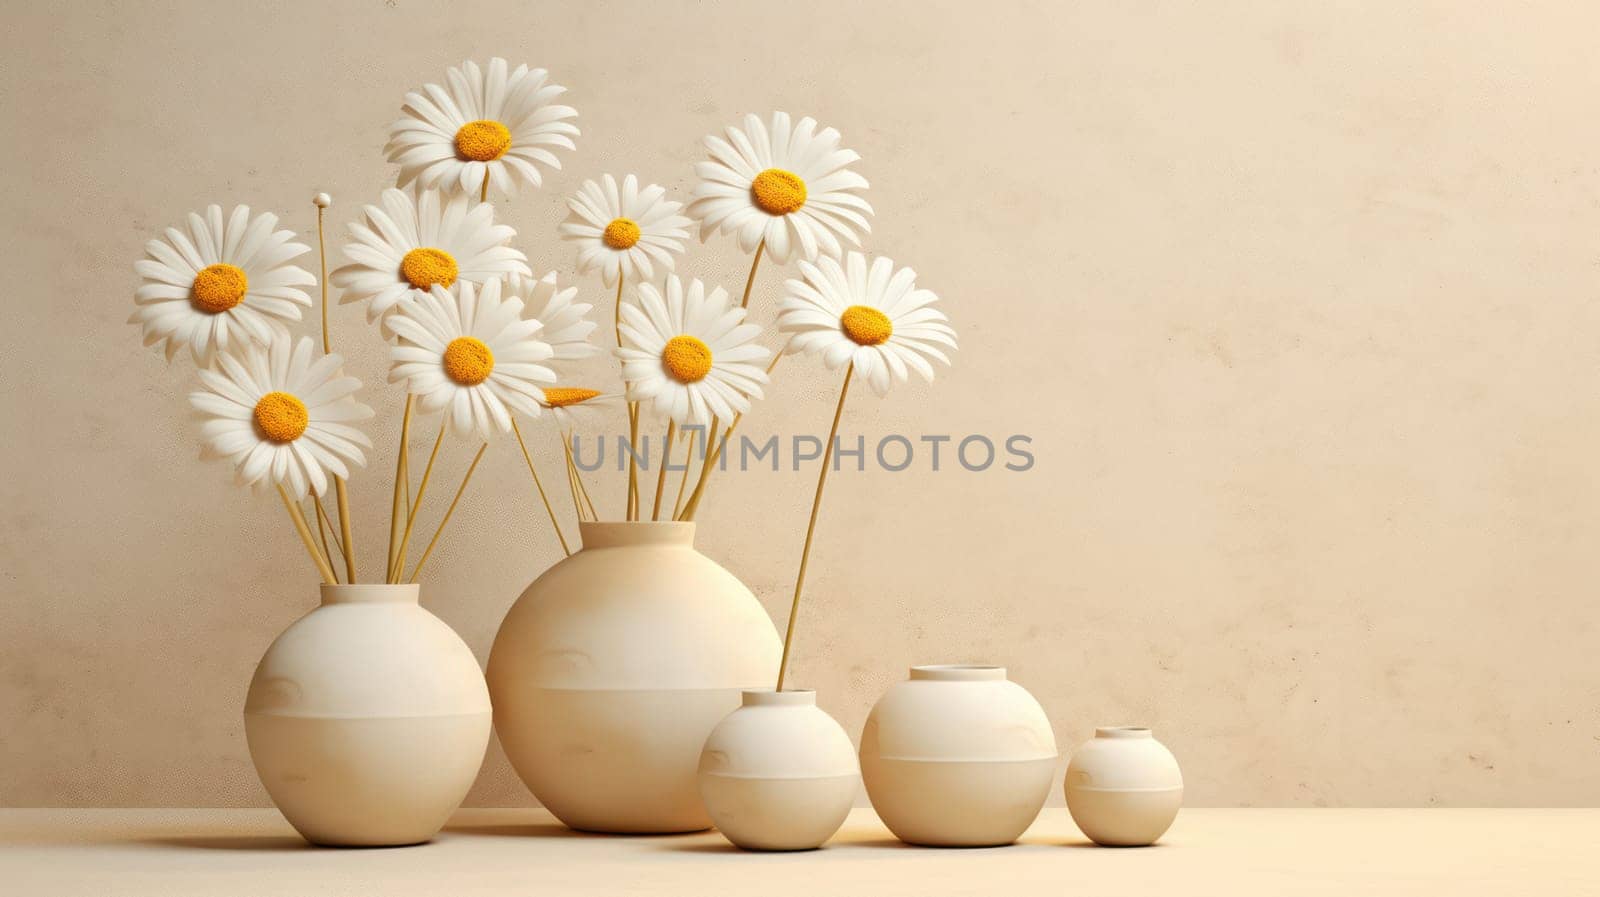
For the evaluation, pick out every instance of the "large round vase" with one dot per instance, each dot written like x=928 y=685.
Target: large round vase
x=613 y=667
x=957 y=756
x=367 y=719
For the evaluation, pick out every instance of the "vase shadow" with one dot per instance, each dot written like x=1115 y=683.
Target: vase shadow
x=1087 y=843
x=719 y=847
x=244 y=843
x=529 y=830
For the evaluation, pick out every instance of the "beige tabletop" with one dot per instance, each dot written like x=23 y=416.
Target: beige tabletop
x=241 y=853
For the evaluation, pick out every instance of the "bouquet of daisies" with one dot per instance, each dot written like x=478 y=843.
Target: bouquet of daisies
x=478 y=340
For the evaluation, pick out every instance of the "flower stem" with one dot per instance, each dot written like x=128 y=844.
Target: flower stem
x=299 y=520
x=448 y=512
x=402 y=476
x=573 y=491
x=661 y=478
x=411 y=515
x=750 y=281
x=347 y=545
x=324 y=526
x=711 y=433
x=577 y=475
x=811 y=528
x=708 y=459
x=688 y=455
x=322 y=254
x=714 y=454
x=631 y=510
x=540 y=486
x=342 y=493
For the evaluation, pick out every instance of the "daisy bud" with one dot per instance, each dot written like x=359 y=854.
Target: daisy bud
x=322 y=200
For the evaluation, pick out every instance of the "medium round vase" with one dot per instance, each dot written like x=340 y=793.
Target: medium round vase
x=957 y=756
x=613 y=667
x=1123 y=787
x=367 y=719
x=778 y=773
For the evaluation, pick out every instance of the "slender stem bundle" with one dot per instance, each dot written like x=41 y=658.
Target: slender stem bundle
x=447 y=514
x=300 y=526
x=661 y=478
x=540 y=486
x=811 y=527
x=683 y=481
x=714 y=454
x=342 y=492
x=347 y=545
x=402 y=475
x=574 y=491
x=577 y=474
x=411 y=515
x=325 y=526
x=631 y=510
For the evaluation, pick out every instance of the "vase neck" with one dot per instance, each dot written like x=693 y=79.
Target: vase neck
x=678 y=533
x=789 y=697
x=1122 y=732
x=958 y=672
x=371 y=593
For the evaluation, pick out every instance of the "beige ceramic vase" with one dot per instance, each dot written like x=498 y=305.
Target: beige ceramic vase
x=1123 y=787
x=367 y=719
x=613 y=667
x=957 y=756
x=778 y=773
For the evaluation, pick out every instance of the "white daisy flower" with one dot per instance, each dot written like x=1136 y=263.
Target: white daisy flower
x=689 y=352
x=472 y=355
x=874 y=318
x=282 y=417
x=572 y=406
x=566 y=323
x=496 y=121
x=220 y=282
x=407 y=246
x=787 y=186
x=624 y=231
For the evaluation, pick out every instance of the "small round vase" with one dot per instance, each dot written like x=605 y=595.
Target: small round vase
x=367 y=719
x=613 y=667
x=1123 y=787
x=778 y=773
x=957 y=756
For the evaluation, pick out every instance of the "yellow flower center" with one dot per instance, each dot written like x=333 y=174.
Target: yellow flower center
x=621 y=233
x=281 y=417
x=562 y=396
x=483 y=140
x=866 y=325
x=687 y=359
x=778 y=192
x=424 y=267
x=468 y=361
x=218 y=288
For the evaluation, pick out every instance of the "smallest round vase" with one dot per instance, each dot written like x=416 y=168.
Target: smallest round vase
x=778 y=773
x=1123 y=787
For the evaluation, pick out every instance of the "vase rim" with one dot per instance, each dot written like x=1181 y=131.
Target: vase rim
x=958 y=672
x=371 y=593
x=1122 y=732
x=789 y=697
x=624 y=533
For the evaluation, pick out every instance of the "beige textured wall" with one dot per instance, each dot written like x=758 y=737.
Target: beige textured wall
x=1297 y=300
